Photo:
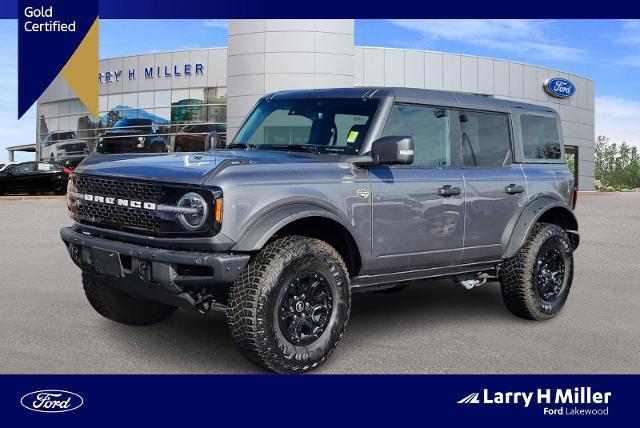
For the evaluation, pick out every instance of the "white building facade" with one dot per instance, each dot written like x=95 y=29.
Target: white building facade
x=199 y=90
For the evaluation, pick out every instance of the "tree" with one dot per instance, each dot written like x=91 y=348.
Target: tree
x=617 y=166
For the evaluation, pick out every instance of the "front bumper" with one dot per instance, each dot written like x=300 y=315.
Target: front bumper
x=168 y=276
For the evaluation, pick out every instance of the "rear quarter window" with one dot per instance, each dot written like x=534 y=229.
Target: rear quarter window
x=540 y=137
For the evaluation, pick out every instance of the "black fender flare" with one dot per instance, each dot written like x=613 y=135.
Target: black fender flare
x=531 y=214
x=267 y=225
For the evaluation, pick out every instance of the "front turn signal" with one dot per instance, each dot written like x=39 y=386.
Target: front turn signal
x=217 y=212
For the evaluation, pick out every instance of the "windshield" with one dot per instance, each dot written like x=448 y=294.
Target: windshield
x=325 y=125
x=132 y=122
x=66 y=136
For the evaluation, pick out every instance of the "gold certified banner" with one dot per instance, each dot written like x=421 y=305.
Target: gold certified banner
x=81 y=69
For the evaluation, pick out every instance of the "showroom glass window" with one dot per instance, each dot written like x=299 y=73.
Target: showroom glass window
x=485 y=139
x=540 y=137
x=429 y=127
x=171 y=112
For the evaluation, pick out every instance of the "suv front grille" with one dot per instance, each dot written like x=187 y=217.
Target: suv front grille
x=114 y=216
x=135 y=190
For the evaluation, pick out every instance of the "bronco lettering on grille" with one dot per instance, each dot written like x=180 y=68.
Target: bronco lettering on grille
x=121 y=202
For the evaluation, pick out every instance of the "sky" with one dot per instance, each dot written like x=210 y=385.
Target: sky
x=607 y=51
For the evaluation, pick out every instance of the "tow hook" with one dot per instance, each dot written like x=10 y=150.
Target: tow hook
x=476 y=281
x=75 y=253
x=205 y=303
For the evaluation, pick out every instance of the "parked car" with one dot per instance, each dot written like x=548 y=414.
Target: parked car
x=193 y=138
x=64 y=146
x=5 y=165
x=30 y=177
x=133 y=136
x=323 y=193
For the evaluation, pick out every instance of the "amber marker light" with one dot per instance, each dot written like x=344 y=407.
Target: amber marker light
x=217 y=212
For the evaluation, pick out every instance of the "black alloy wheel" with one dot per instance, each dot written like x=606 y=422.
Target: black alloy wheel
x=549 y=274
x=304 y=308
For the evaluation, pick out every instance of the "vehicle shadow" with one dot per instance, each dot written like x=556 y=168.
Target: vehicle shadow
x=194 y=343
x=426 y=303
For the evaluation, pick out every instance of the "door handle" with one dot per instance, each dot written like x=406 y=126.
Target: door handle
x=448 y=190
x=513 y=189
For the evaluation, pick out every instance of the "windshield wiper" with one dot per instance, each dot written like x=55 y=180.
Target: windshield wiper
x=241 y=146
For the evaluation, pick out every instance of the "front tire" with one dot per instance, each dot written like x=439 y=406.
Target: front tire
x=121 y=307
x=536 y=281
x=289 y=308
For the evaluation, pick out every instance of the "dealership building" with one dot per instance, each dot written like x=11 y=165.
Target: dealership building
x=220 y=85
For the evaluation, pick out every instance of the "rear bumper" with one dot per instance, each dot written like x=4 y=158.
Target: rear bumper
x=168 y=276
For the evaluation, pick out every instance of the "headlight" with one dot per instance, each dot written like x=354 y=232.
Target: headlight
x=140 y=142
x=193 y=214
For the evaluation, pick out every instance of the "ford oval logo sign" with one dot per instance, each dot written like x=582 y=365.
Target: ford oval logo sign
x=51 y=401
x=559 y=87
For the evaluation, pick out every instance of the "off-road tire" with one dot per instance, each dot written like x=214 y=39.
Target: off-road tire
x=121 y=307
x=254 y=301
x=518 y=274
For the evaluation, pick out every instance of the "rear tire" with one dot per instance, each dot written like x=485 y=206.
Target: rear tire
x=537 y=280
x=59 y=188
x=289 y=308
x=121 y=307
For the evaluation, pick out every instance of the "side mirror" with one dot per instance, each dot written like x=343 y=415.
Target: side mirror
x=216 y=141
x=393 y=150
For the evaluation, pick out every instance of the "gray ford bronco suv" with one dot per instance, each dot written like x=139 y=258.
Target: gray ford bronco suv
x=322 y=193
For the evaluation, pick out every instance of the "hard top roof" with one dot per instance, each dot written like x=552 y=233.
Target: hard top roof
x=416 y=96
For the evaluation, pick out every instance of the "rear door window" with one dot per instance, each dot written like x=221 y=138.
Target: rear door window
x=540 y=137
x=485 y=139
x=47 y=167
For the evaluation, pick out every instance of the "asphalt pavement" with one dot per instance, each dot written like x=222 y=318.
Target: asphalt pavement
x=46 y=325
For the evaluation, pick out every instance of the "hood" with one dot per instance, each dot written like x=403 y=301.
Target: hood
x=191 y=168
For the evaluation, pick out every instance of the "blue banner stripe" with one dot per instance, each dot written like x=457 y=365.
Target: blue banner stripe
x=165 y=9
x=392 y=401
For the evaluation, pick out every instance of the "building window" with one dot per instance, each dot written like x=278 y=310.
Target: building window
x=170 y=114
